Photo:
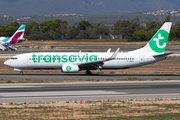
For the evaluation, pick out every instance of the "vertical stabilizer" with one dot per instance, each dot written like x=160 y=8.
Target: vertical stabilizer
x=18 y=34
x=158 y=42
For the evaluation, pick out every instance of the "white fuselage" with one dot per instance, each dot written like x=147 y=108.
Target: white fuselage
x=55 y=60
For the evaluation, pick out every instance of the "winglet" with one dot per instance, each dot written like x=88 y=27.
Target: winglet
x=115 y=54
x=109 y=50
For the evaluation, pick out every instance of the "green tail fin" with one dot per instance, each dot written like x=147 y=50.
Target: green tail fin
x=159 y=41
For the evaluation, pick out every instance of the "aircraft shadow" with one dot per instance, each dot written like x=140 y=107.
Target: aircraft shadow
x=51 y=74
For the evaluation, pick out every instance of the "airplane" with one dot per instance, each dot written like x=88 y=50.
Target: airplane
x=6 y=42
x=72 y=62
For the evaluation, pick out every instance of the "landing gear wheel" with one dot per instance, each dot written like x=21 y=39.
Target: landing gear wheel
x=88 y=72
x=21 y=73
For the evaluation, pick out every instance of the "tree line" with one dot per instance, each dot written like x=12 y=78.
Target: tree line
x=58 y=29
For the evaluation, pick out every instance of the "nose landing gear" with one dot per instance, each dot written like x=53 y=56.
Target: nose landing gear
x=21 y=73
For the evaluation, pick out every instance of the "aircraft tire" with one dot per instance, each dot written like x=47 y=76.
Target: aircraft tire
x=88 y=72
x=21 y=73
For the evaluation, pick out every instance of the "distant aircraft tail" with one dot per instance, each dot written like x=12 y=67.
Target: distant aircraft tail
x=158 y=42
x=18 y=35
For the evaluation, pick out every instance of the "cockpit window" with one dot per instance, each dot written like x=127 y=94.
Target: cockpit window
x=14 y=58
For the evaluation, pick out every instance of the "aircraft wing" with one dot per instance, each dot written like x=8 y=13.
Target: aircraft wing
x=164 y=54
x=96 y=64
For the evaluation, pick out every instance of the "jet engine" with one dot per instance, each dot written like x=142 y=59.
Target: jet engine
x=70 y=68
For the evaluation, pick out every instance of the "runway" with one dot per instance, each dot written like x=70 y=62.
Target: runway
x=87 y=47
x=82 y=76
x=61 y=92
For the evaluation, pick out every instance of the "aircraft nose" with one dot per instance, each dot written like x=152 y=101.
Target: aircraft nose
x=7 y=63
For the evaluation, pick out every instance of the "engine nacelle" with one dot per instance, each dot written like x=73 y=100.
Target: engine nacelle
x=70 y=68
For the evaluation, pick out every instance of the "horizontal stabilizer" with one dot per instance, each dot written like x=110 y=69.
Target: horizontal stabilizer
x=164 y=54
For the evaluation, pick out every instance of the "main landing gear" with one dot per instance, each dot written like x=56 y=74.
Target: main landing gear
x=88 y=72
x=21 y=73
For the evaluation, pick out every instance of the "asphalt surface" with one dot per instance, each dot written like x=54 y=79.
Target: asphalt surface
x=89 y=47
x=82 y=76
x=61 y=92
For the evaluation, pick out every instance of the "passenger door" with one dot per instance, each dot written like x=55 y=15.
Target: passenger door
x=25 y=59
